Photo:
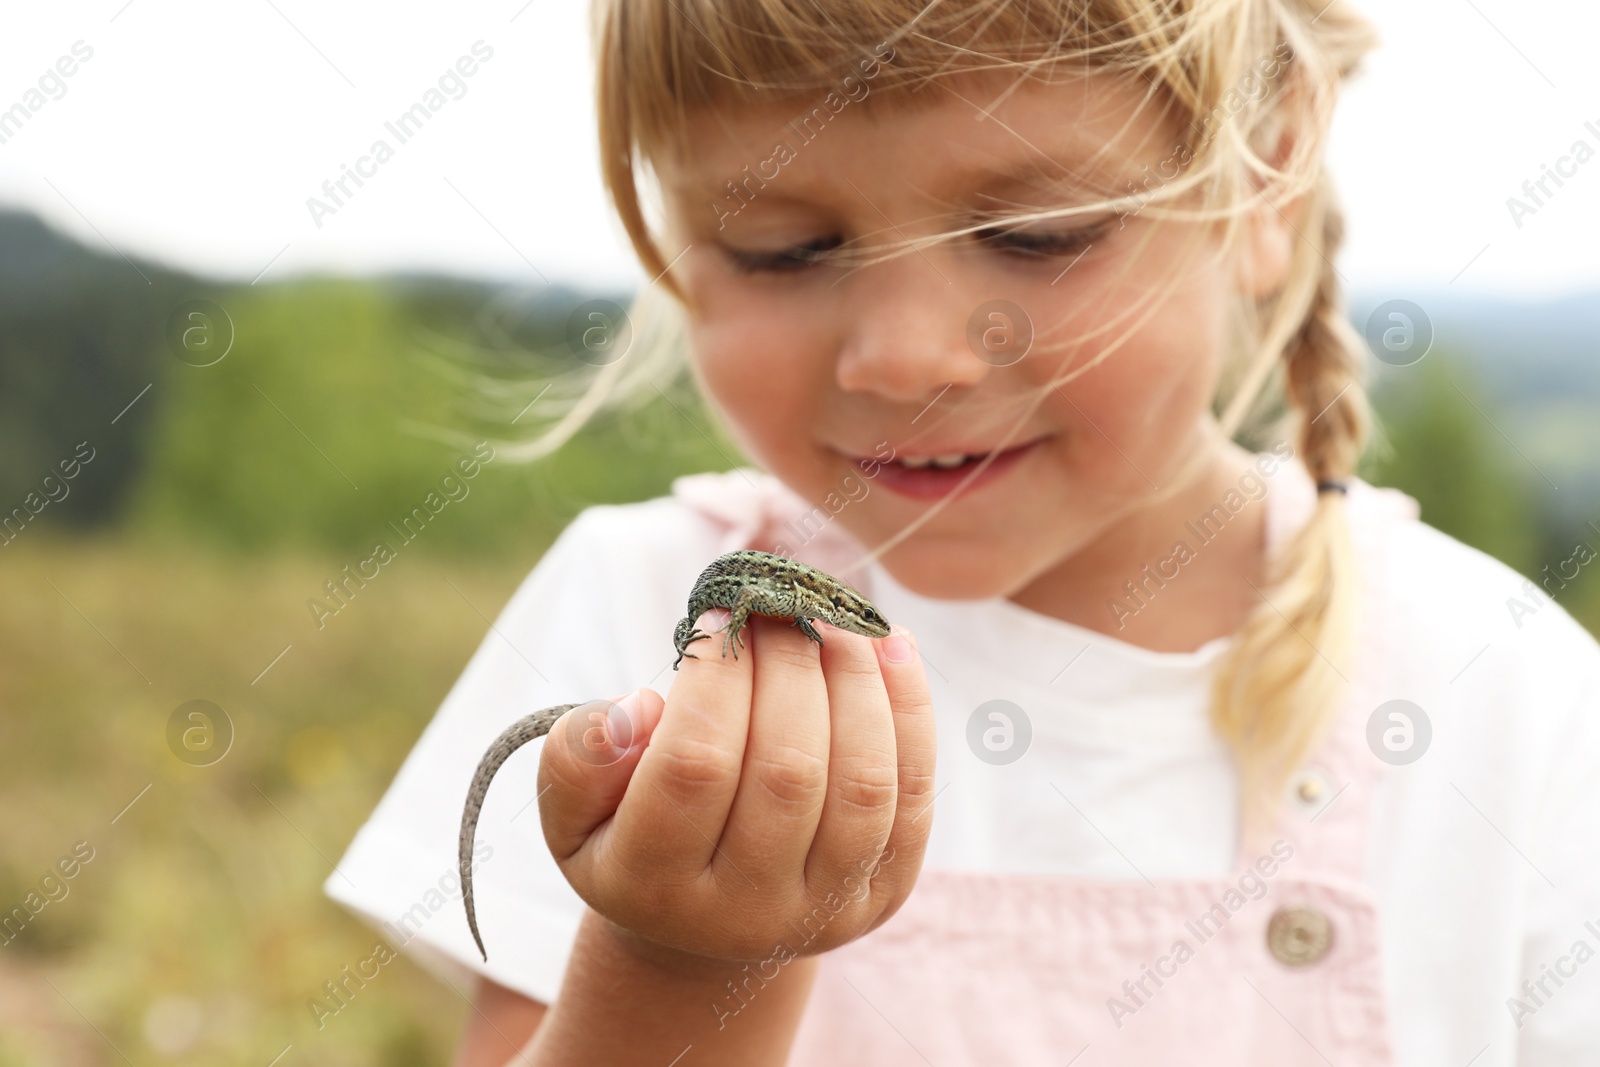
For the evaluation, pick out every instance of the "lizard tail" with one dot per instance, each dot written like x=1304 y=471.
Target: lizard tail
x=528 y=728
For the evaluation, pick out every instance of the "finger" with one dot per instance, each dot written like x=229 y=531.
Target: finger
x=669 y=824
x=785 y=774
x=915 y=750
x=863 y=776
x=588 y=759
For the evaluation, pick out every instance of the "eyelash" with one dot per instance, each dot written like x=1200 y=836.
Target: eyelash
x=783 y=261
x=1024 y=244
x=1044 y=244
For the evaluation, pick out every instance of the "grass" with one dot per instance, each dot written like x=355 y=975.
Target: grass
x=198 y=931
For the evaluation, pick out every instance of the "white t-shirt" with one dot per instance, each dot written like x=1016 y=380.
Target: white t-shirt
x=1484 y=854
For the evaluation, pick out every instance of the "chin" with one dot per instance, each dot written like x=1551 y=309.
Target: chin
x=952 y=574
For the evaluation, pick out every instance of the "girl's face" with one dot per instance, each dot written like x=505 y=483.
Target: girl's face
x=822 y=369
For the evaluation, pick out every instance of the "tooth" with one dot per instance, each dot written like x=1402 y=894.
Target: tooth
x=953 y=459
x=915 y=462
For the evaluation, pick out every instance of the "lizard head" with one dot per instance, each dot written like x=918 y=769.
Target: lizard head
x=854 y=612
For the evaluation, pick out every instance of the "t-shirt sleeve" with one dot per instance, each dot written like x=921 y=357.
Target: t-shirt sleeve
x=594 y=620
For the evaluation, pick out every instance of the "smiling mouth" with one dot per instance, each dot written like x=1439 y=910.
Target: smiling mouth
x=932 y=475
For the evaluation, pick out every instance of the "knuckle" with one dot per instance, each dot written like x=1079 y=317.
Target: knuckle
x=866 y=784
x=912 y=698
x=791 y=775
x=689 y=764
x=917 y=793
x=915 y=783
x=860 y=665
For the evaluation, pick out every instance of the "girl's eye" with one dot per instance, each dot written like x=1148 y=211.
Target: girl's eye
x=1038 y=243
x=793 y=258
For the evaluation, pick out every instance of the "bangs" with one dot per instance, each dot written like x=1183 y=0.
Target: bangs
x=662 y=60
x=1218 y=70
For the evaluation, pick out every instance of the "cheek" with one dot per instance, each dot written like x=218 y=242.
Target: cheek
x=760 y=371
x=1152 y=387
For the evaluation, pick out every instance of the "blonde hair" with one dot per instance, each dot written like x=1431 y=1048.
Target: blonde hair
x=1298 y=364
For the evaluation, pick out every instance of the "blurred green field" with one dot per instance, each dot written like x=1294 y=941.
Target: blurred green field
x=198 y=931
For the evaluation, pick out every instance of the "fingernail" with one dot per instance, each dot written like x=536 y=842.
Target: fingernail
x=711 y=618
x=897 y=647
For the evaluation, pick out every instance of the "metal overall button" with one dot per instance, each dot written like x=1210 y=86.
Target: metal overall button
x=1311 y=790
x=1299 y=936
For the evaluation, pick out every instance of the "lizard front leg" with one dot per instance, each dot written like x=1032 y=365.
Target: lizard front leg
x=800 y=619
x=807 y=629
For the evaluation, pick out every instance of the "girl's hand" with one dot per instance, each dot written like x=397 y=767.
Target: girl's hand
x=780 y=799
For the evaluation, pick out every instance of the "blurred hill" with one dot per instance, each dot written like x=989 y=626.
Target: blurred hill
x=342 y=401
x=334 y=404
x=1524 y=352
x=1497 y=430
x=78 y=335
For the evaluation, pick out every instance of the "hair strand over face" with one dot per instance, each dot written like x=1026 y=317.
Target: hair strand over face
x=1251 y=140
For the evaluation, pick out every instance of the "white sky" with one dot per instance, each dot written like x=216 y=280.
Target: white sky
x=198 y=129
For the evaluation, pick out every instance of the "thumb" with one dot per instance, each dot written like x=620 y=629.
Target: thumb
x=587 y=762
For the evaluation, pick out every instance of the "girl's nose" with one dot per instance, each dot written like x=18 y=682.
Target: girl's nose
x=906 y=336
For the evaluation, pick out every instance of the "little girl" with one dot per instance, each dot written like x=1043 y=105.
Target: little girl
x=1203 y=750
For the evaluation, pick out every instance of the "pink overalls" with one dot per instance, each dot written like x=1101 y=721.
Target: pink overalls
x=1277 y=964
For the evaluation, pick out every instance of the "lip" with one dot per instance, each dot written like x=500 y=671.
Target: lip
x=932 y=483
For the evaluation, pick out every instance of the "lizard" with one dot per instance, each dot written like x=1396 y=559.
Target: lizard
x=746 y=582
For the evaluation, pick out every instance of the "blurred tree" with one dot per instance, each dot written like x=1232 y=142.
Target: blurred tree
x=325 y=423
x=79 y=341
x=1437 y=442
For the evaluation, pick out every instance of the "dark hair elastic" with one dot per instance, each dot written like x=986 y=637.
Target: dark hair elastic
x=1333 y=487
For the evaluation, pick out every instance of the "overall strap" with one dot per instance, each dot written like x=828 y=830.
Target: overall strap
x=1325 y=812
